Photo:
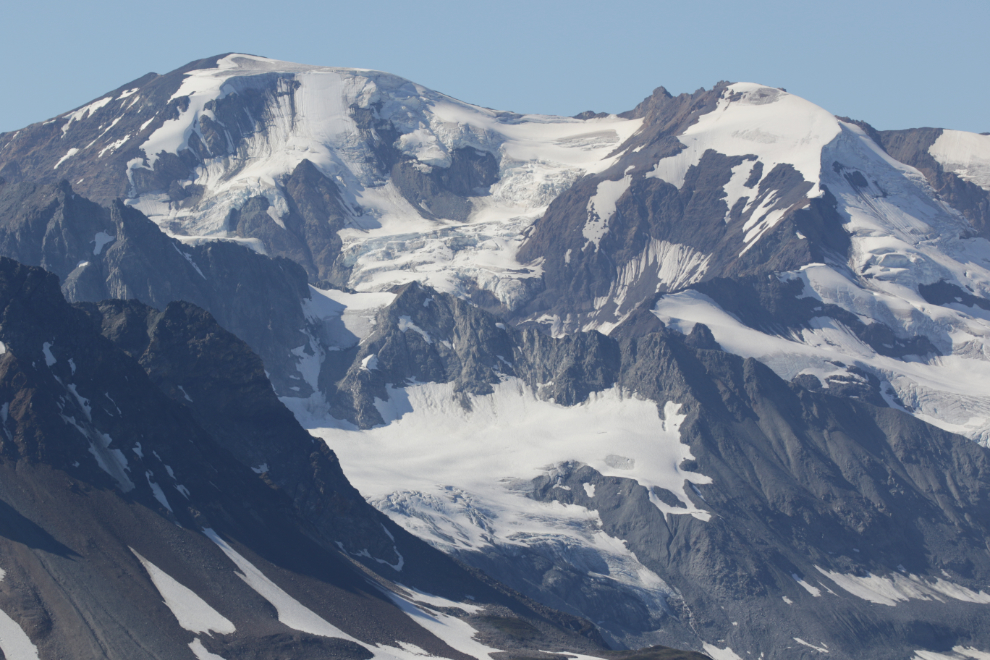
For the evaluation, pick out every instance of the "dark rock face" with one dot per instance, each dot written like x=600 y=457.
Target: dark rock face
x=209 y=371
x=91 y=452
x=307 y=235
x=98 y=457
x=946 y=293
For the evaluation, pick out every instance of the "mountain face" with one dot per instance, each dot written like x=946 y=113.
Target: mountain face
x=709 y=373
x=116 y=252
x=135 y=525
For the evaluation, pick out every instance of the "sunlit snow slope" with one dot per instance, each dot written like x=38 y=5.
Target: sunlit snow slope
x=387 y=240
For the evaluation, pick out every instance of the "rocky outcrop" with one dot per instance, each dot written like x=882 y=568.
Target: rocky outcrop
x=116 y=252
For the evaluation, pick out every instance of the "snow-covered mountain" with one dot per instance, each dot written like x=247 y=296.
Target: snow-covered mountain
x=159 y=502
x=692 y=372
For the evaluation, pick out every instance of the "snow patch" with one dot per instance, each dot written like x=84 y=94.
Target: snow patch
x=156 y=490
x=897 y=588
x=406 y=324
x=46 y=348
x=346 y=318
x=589 y=489
x=101 y=239
x=14 y=642
x=192 y=612
x=290 y=611
x=111 y=461
x=458 y=634
x=438 y=601
x=113 y=146
x=814 y=591
x=200 y=651
x=188 y=257
x=601 y=208
x=820 y=649
x=715 y=653
x=83 y=113
x=958 y=653
x=69 y=154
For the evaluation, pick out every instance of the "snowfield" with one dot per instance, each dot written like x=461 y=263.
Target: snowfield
x=460 y=478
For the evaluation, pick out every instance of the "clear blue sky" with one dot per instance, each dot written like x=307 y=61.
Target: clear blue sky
x=894 y=64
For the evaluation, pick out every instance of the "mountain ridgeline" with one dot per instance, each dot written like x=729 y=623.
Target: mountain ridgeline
x=709 y=374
